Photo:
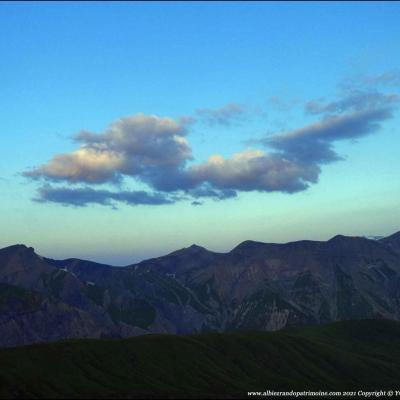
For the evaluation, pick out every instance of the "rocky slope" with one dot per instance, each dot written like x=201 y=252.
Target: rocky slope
x=255 y=286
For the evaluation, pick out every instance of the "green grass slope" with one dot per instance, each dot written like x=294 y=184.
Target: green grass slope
x=345 y=355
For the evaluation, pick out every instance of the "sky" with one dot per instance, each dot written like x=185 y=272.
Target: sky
x=132 y=129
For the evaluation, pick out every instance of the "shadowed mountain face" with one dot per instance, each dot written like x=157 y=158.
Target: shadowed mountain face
x=256 y=286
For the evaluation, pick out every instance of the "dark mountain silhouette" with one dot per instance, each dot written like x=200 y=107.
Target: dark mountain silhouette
x=343 y=356
x=256 y=286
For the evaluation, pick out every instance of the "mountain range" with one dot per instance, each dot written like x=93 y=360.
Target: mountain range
x=255 y=286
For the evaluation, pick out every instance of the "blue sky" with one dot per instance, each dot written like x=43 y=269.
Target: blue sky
x=110 y=113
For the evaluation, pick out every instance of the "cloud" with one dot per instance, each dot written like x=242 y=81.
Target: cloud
x=313 y=143
x=207 y=191
x=388 y=79
x=281 y=104
x=225 y=115
x=355 y=100
x=155 y=151
x=81 y=197
x=88 y=164
x=254 y=170
x=133 y=146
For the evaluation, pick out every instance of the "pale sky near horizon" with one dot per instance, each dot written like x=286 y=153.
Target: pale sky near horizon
x=132 y=129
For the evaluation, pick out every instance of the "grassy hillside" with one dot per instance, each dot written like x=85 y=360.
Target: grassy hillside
x=345 y=355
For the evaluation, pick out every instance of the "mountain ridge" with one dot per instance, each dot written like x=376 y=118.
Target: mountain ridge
x=256 y=285
x=194 y=246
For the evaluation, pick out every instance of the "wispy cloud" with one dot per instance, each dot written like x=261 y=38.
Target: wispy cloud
x=81 y=197
x=281 y=104
x=226 y=115
x=205 y=190
x=313 y=143
x=388 y=79
x=354 y=101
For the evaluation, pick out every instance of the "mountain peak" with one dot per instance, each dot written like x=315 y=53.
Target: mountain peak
x=19 y=248
x=195 y=247
x=248 y=245
x=191 y=250
x=344 y=237
x=337 y=237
